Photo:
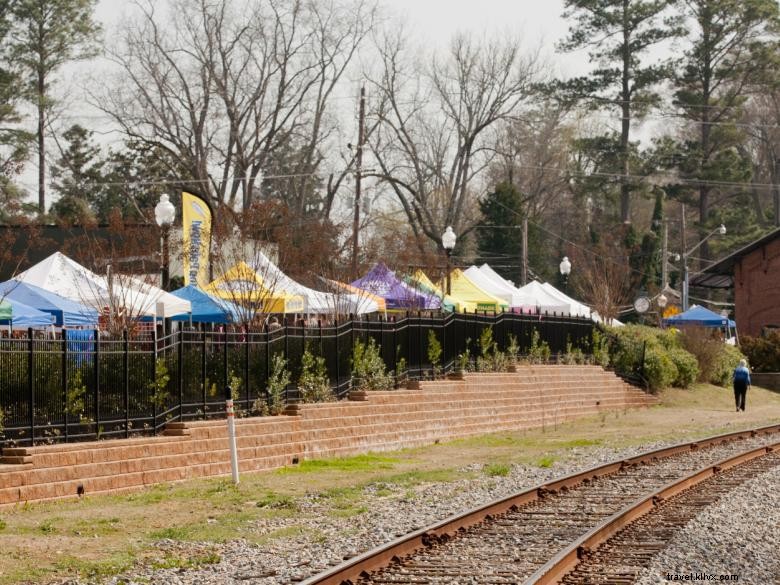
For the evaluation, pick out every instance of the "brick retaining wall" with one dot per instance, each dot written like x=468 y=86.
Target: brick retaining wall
x=377 y=421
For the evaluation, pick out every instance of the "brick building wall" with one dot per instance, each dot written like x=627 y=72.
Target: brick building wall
x=757 y=289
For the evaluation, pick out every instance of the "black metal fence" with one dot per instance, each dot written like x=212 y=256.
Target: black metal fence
x=68 y=389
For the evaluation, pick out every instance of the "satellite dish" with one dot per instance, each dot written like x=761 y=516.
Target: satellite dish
x=642 y=305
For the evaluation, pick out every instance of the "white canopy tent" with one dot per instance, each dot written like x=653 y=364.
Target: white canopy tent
x=575 y=307
x=66 y=277
x=527 y=298
x=498 y=288
x=543 y=299
x=315 y=302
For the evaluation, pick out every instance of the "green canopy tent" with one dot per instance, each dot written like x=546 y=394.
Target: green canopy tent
x=5 y=311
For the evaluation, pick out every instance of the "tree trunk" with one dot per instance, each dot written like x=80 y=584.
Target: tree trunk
x=625 y=133
x=41 y=142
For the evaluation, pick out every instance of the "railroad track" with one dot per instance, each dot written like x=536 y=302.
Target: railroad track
x=542 y=534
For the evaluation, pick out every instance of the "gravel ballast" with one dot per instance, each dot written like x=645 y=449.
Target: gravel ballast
x=739 y=535
x=319 y=534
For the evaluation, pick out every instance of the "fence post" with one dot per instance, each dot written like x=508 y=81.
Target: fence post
x=97 y=383
x=203 y=367
x=65 y=380
x=154 y=382
x=287 y=356
x=420 y=361
x=225 y=358
x=180 y=356
x=126 y=375
x=246 y=367
x=338 y=356
x=31 y=383
x=267 y=361
x=444 y=345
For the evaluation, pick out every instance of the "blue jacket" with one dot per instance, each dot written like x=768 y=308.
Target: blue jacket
x=742 y=374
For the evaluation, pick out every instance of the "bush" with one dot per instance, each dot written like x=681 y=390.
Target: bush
x=660 y=370
x=313 y=383
x=763 y=353
x=727 y=359
x=706 y=346
x=368 y=368
x=278 y=380
x=600 y=348
x=539 y=352
x=434 y=353
x=687 y=367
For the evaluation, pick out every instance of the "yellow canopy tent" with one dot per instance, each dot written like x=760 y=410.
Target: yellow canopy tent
x=464 y=289
x=243 y=285
x=451 y=303
x=364 y=294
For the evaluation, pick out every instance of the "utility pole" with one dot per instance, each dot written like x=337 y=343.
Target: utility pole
x=684 y=247
x=665 y=258
x=524 y=274
x=358 y=177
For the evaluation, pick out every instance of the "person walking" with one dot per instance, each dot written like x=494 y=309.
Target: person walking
x=741 y=378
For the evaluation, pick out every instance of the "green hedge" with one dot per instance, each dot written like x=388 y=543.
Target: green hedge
x=666 y=362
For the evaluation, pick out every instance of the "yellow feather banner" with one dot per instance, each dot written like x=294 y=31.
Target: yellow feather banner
x=196 y=235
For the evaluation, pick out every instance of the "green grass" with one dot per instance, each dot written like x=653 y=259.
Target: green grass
x=96 y=569
x=496 y=470
x=176 y=562
x=367 y=462
x=275 y=501
x=545 y=462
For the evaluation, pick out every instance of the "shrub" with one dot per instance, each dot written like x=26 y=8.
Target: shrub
x=763 y=353
x=539 y=352
x=434 y=353
x=706 y=346
x=278 y=380
x=313 y=383
x=159 y=387
x=512 y=349
x=600 y=343
x=687 y=367
x=400 y=368
x=368 y=368
x=660 y=370
x=727 y=359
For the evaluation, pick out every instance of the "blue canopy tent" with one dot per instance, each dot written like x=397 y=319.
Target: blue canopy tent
x=24 y=316
x=698 y=316
x=205 y=308
x=66 y=313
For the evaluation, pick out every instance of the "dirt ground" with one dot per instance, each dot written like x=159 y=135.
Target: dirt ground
x=103 y=535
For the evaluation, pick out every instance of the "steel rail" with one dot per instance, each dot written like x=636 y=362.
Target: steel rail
x=567 y=560
x=381 y=556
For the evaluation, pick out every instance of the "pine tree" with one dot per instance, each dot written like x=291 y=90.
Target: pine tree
x=499 y=238
x=77 y=177
x=619 y=34
x=14 y=143
x=733 y=46
x=48 y=34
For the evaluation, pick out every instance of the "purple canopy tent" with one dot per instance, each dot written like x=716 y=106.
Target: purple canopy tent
x=383 y=282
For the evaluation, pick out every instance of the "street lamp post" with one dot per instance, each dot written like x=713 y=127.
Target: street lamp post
x=721 y=231
x=565 y=268
x=164 y=214
x=448 y=239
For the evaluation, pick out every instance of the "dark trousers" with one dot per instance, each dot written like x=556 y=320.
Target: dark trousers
x=740 y=392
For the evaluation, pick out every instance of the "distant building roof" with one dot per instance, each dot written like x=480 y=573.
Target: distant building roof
x=721 y=274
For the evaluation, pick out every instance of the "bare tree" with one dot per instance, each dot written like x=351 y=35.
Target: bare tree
x=603 y=277
x=534 y=152
x=234 y=90
x=437 y=118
